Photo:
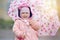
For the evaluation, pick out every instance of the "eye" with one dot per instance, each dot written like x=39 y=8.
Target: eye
x=26 y=12
x=22 y=12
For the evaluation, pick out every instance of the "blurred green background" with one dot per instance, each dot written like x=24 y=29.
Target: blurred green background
x=5 y=21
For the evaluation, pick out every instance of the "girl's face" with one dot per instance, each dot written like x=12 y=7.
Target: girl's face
x=25 y=13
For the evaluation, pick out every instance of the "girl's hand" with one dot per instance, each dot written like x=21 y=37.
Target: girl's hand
x=21 y=35
x=34 y=25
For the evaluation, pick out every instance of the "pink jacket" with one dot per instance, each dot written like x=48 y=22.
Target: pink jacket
x=20 y=28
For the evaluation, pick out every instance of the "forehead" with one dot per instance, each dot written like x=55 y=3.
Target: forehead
x=25 y=8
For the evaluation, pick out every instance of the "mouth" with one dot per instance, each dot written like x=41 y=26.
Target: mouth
x=24 y=16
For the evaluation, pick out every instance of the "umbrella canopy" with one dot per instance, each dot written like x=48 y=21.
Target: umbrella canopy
x=44 y=13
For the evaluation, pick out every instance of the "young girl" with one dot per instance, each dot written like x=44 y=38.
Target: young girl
x=22 y=28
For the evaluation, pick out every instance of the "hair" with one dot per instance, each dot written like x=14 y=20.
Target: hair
x=30 y=12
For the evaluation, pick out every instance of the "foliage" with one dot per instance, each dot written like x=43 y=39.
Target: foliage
x=6 y=24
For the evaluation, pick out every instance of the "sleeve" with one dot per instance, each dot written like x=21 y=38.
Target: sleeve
x=16 y=29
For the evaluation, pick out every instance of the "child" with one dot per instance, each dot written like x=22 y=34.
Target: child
x=22 y=28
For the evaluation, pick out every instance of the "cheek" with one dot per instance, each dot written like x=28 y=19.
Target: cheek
x=21 y=15
x=28 y=14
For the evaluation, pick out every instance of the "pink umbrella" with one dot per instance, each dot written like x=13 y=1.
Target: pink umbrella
x=44 y=13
